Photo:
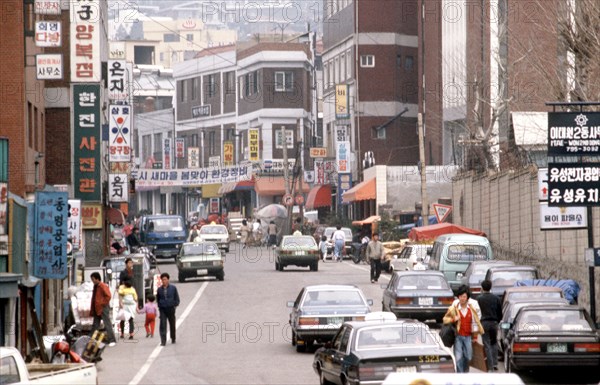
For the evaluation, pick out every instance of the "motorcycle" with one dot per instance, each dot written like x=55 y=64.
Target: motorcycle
x=71 y=348
x=359 y=253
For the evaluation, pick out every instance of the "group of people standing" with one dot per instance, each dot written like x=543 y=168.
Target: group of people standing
x=255 y=233
x=164 y=303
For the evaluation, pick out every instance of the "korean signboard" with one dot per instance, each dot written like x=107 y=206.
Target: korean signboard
x=119 y=80
x=49 y=66
x=50 y=250
x=167 y=153
x=341 y=102
x=318 y=152
x=214 y=161
x=188 y=177
x=574 y=184
x=193 y=157
x=253 y=149
x=227 y=153
x=3 y=186
x=214 y=205
x=91 y=216
x=342 y=157
x=47 y=33
x=554 y=218
x=324 y=171
x=74 y=222
x=201 y=111
x=180 y=148
x=86 y=145
x=47 y=7
x=573 y=133
x=85 y=41
x=118 y=188
x=344 y=184
x=119 y=133
x=341 y=134
x=289 y=139
x=276 y=165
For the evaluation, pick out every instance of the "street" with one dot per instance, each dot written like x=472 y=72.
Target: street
x=235 y=331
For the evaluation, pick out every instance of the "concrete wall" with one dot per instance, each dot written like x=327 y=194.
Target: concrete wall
x=506 y=207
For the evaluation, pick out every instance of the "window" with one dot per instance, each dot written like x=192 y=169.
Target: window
x=399 y=61
x=251 y=83
x=349 y=64
x=337 y=70
x=409 y=63
x=343 y=68
x=193 y=140
x=146 y=146
x=10 y=372
x=378 y=132
x=331 y=79
x=189 y=37
x=171 y=38
x=212 y=143
x=211 y=86
x=30 y=123
x=195 y=87
x=158 y=143
x=367 y=61
x=230 y=82
x=183 y=92
x=284 y=81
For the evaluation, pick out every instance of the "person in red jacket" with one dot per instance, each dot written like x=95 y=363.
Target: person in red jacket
x=99 y=308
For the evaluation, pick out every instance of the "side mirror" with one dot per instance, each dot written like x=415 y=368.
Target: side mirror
x=290 y=304
x=370 y=302
x=505 y=325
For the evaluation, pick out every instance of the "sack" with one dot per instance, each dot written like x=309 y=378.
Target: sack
x=448 y=334
x=121 y=316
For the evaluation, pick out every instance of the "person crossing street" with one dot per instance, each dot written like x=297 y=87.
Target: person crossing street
x=374 y=255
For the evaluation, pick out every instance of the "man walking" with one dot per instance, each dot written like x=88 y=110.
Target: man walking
x=491 y=314
x=339 y=242
x=167 y=299
x=99 y=308
x=374 y=255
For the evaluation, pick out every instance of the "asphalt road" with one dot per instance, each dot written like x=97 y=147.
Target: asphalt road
x=236 y=331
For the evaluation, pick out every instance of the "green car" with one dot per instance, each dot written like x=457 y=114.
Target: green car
x=301 y=250
x=200 y=259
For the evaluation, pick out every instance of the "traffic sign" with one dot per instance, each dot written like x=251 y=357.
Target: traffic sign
x=543 y=184
x=441 y=211
x=288 y=200
x=299 y=200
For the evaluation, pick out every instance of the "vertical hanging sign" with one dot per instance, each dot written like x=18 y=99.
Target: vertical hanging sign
x=50 y=249
x=180 y=148
x=253 y=149
x=119 y=80
x=74 y=223
x=119 y=135
x=117 y=188
x=167 y=154
x=86 y=141
x=85 y=41
x=228 y=153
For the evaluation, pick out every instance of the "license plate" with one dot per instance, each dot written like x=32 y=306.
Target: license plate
x=557 y=348
x=425 y=301
x=335 y=320
x=202 y=271
x=406 y=369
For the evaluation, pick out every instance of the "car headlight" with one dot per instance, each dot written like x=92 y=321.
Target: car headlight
x=217 y=263
x=459 y=275
x=186 y=264
x=177 y=246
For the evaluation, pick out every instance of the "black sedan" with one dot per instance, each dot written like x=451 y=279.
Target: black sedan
x=366 y=352
x=476 y=272
x=551 y=335
x=421 y=295
x=319 y=310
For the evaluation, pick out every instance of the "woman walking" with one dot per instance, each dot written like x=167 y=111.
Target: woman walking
x=244 y=232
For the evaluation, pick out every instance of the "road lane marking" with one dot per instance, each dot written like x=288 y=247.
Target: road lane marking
x=144 y=369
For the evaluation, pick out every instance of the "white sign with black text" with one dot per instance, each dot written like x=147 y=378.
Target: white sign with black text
x=47 y=33
x=118 y=188
x=49 y=66
x=560 y=218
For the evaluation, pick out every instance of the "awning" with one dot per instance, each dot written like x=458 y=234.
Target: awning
x=319 y=196
x=211 y=190
x=243 y=185
x=369 y=221
x=363 y=191
x=274 y=185
x=432 y=231
x=115 y=217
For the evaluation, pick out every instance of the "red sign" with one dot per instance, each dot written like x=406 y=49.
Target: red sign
x=288 y=200
x=180 y=148
x=441 y=211
x=299 y=200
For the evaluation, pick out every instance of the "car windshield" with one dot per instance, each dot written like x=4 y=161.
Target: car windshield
x=317 y=298
x=553 y=321
x=533 y=294
x=213 y=230
x=508 y=278
x=393 y=337
x=422 y=282
x=292 y=242
x=514 y=309
x=200 y=249
x=479 y=272
x=467 y=253
x=165 y=224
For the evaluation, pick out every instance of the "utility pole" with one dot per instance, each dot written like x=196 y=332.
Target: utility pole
x=286 y=177
x=423 y=169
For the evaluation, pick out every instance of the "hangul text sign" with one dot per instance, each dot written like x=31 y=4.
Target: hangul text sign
x=85 y=40
x=47 y=33
x=193 y=157
x=167 y=153
x=50 y=247
x=119 y=135
x=180 y=148
x=118 y=188
x=253 y=145
x=86 y=141
x=119 y=80
x=49 y=66
x=74 y=223
x=228 y=153
x=189 y=177
x=91 y=216
x=47 y=7
x=573 y=184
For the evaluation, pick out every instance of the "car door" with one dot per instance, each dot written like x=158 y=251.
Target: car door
x=295 y=309
x=389 y=294
x=334 y=356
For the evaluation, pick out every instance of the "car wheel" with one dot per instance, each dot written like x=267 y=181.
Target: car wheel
x=293 y=338
x=314 y=266
x=277 y=266
x=181 y=277
x=221 y=276
x=281 y=267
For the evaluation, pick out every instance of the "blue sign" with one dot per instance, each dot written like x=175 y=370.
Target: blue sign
x=344 y=184
x=50 y=247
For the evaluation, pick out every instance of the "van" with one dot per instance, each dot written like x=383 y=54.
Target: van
x=163 y=234
x=452 y=254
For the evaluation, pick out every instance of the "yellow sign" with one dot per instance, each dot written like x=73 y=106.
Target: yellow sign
x=341 y=102
x=318 y=152
x=253 y=150
x=91 y=215
x=228 y=153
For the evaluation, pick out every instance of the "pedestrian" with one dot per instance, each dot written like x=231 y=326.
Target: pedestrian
x=99 y=308
x=151 y=310
x=127 y=273
x=128 y=304
x=193 y=233
x=244 y=232
x=339 y=241
x=256 y=233
x=167 y=299
x=323 y=247
x=374 y=255
x=466 y=318
x=272 y=233
x=133 y=240
x=491 y=314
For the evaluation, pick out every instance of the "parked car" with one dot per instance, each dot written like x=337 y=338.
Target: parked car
x=217 y=234
x=503 y=277
x=299 y=250
x=319 y=310
x=476 y=272
x=200 y=259
x=366 y=352
x=407 y=259
x=347 y=232
x=512 y=308
x=115 y=265
x=452 y=253
x=530 y=292
x=551 y=336
x=421 y=295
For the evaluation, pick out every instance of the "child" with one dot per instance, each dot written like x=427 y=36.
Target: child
x=151 y=311
x=127 y=301
x=323 y=247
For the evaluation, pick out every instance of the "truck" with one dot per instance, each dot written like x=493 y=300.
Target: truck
x=163 y=234
x=13 y=369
